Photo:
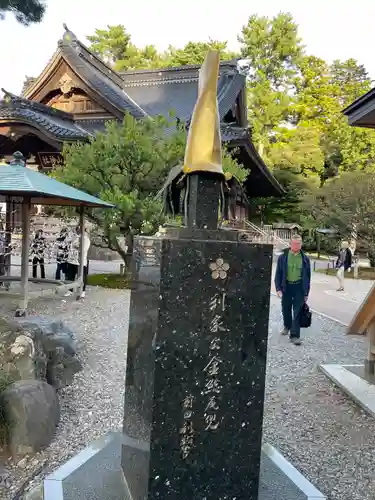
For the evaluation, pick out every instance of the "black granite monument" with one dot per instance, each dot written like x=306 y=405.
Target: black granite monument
x=196 y=358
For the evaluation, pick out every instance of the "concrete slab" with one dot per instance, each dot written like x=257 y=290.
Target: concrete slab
x=93 y=474
x=279 y=480
x=96 y=474
x=360 y=371
x=350 y=381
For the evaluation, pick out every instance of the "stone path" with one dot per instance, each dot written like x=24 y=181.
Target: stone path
x=324 y=434
x=341 y=306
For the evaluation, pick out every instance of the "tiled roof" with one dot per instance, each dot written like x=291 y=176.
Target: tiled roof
x=159 y=92
x=162 y=98
x=58 y=123
x=93 y=126
x=98 y=75
x=18 y=180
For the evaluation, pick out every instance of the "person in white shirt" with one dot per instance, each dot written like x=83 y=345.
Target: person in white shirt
x=73 y=259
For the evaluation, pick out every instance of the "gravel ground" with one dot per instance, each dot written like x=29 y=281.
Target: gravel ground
x=93 y=405
x=324 y=434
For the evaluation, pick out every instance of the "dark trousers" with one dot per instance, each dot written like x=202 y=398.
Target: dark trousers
x=72 y=273
x=85 y=274
x=291 y=303
x=61 y=268
x=37 y=261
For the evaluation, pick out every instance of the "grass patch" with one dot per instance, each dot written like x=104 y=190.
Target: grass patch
x=108 y=280
x=314 y=255
x=364 y=273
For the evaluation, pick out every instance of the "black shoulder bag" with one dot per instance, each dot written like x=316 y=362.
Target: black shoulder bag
x=305 y=316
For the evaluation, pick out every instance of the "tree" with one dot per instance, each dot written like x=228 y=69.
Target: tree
x=29 y=80
x=195 y=52
x=114 y=46
x=271 y=49
x=351 y=80
x=25 y=11
x=298 y=150
x=297 y=163
x=345 y=203
x=126 y=166
x=322 y=92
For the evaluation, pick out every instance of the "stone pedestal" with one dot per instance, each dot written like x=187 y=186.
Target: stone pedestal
x=196 y=368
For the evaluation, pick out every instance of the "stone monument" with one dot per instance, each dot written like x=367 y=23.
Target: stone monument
x=197 y=343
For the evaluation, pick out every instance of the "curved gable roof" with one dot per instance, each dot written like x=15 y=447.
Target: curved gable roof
x=53 y=122
x=92 y=71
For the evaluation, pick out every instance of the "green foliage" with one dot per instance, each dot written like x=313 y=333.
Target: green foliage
x=295 y=103
x=364 y=273
x=127 y=166
x=298 y=150
x=114 y=46
x=295 y=110
x=115 y=281
x=271 y=50
x=195 y=52
x=26 y=12
x=231 y=166
x=344 y=203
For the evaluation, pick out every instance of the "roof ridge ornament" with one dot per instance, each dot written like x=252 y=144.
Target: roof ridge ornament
x=18 y=159
x=8 y=96
x=69 y=36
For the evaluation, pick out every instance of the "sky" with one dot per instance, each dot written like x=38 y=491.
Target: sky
x=330 y=29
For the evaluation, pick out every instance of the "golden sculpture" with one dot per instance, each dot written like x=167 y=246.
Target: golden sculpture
x=203 y=149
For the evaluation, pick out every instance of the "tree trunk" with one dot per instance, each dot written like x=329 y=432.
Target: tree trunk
x=129 y=240
x=371 y=256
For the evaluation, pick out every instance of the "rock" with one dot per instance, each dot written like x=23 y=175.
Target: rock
x=20 y=357
x=23 y=353
x=58 y=343
x=22 y=463
x=51 y=333
x=32 y=414
x=5 y=478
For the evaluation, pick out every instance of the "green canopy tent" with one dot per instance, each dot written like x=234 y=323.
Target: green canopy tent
x=28 y=187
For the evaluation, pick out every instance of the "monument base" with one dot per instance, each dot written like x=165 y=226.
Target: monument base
x=196 y=366
x=356 y=382
x=95 y=473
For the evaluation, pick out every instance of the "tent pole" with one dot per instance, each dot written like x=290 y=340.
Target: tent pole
x=81 y=249
x=26 y=213
x=8 y=238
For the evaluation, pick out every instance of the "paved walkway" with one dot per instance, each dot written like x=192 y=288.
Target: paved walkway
x=340 y=306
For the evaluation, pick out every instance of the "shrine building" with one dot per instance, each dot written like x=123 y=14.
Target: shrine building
x=77 y=93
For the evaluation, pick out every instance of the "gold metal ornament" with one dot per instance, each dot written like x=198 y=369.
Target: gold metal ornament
x=219 y=269
x=203 y=150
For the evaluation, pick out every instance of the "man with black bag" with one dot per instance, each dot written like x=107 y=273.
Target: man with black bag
x=292 y=282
